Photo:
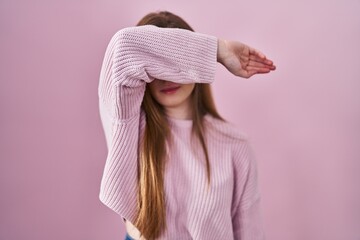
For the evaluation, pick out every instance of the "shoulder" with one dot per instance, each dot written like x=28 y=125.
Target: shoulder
x=227 y=136
x=224 y=129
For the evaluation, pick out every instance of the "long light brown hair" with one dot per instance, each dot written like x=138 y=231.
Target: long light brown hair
x=151 y=217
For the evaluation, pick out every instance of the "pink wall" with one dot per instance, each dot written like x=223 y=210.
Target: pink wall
x=303 y=119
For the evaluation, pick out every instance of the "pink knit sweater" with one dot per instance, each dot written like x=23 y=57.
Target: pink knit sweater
x=230 y=209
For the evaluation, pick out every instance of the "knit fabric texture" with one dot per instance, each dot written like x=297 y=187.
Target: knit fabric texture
x=230 y=208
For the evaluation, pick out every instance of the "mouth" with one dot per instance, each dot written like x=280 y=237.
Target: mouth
x=169 y=90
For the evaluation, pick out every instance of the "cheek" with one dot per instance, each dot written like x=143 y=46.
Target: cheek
x=188 y=88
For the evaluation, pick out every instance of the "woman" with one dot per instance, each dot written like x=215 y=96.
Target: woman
x=175 y=169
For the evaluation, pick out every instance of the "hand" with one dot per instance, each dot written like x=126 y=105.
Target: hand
x=242 y=60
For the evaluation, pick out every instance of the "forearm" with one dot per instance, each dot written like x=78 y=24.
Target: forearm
x=167 y=53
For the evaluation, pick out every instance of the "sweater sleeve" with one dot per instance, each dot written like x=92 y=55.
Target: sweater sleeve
x=246 y=209
x=136 y=56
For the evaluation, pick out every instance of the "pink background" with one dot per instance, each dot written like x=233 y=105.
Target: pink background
x=303 y=119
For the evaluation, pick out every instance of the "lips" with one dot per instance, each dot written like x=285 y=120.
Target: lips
x=170 y=89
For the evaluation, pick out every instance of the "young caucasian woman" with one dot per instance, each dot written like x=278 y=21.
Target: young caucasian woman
x=175 y=169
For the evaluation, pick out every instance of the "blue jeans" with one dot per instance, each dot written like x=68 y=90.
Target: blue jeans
x=127 y=237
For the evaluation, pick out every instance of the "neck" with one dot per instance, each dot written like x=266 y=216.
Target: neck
x=183 y=111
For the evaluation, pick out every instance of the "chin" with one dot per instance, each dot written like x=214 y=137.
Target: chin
x=170 y=103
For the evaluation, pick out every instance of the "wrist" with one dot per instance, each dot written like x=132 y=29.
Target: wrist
x=221 y=48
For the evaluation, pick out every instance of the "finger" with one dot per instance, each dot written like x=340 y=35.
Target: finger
x=248 y=74
x=257 y=53
x=258 y=64
x=258 y=69
x=259 y=56
x=261 y=60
